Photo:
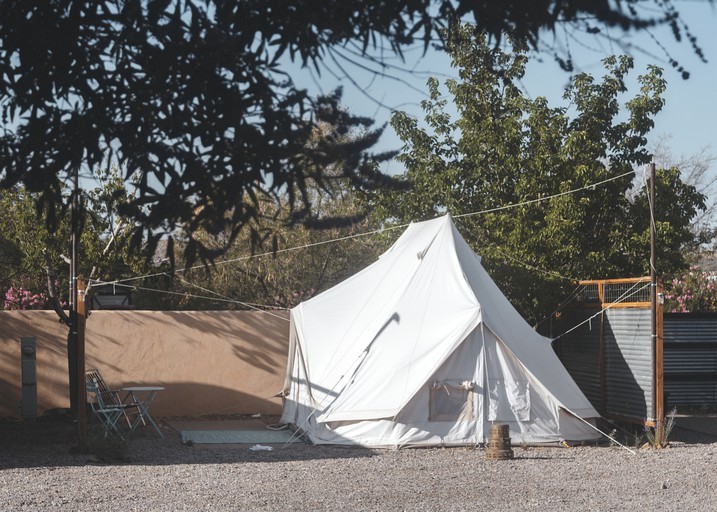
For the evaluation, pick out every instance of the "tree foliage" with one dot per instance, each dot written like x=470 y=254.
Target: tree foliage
x=29 y=252
x=505 y=149
x=277 y=267
x=192 y=95
x=695 y=170
x=290 y=266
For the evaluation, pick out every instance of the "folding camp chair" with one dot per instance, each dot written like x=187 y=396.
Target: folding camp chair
x=109 y=415
x=110 y=399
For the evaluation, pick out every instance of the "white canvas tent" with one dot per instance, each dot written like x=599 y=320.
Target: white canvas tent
x=422 y=348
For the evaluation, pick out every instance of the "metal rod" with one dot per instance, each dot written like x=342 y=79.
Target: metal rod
x=653 y=291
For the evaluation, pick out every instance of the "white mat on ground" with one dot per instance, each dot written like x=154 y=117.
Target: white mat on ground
x=236 y=436
x=230 y=432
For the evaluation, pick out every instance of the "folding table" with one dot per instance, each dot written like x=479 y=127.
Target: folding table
x=143 y=396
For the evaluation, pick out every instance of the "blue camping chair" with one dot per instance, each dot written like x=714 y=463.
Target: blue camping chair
x=108 y=414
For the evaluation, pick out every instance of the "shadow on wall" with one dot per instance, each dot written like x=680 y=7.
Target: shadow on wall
x=623 y=390
x=210 y=400
x=9 y=393
x=628 y=364
x=222 y=350
x=257 y=338
x=52 y=379
x=237 y=358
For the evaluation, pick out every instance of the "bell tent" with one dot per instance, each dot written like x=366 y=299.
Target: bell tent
x=422 y=348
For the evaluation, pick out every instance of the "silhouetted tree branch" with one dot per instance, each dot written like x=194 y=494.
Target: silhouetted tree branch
x=194 y=96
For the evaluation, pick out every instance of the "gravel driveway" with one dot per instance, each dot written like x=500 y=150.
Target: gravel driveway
x=39 y=472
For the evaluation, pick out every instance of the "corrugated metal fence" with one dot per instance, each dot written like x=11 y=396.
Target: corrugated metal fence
x=690 y=364
x=629 y=359
x=608 y=349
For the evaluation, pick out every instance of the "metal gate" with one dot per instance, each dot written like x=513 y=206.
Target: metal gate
x=604 y=339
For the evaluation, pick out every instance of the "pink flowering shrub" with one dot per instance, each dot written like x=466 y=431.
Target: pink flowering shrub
x=691 y=293
x=20 y=298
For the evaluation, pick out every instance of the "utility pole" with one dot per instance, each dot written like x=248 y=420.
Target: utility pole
x=656 y=343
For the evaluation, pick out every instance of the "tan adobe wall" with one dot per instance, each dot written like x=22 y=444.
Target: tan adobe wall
x=210 y=362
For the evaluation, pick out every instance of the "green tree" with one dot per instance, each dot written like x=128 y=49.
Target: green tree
x=288 y=266
x=192 y=95
x=29 y=252
x=506 y=149
x=279 y=266
x=695 y=170
x=32 y=257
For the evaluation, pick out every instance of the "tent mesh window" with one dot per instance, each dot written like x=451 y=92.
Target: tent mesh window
x=451 y=401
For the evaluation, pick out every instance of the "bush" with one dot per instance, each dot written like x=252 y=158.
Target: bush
x=20 y=298
x=692 y=292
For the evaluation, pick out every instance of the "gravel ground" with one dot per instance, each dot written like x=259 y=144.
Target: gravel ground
x=38 y=471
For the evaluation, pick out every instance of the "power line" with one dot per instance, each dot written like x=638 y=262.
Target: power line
x=221 y=298
x=536 y=269
x=255 y=307
x=560 y=306
x=381 y=230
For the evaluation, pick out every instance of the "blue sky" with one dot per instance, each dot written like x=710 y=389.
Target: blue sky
x=688 y=117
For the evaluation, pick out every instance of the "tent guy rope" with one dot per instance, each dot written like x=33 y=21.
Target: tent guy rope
x=618 y=301
x=377 y=231
x=195 y=296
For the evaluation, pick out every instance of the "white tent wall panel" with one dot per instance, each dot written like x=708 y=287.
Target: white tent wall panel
x=480 y=360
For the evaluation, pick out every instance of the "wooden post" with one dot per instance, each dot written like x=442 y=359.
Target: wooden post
x=602 y=364
x=659 y=359
x=80 y=379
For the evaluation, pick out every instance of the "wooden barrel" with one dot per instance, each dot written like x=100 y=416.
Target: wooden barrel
x=499 y=443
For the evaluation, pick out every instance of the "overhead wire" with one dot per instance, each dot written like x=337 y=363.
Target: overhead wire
x=383 y=229
x=268 y=253
x=249 y=305
x=574 y=292
x=536 y=269
x=562 y=304
x=195 y=296
x=376 y=231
